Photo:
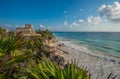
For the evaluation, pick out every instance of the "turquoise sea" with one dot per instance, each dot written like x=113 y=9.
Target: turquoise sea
x=104 y=42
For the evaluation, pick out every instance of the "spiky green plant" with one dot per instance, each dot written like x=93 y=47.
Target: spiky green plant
x=7 y=46
x=72 y=72
x=48 y=70
x=44 y=70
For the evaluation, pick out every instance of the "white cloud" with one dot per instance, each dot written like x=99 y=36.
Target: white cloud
x=71 y=26
x=75 y=24
x=75 y=16
x=80 y=9
x=81 y=20
x=66 y=16
x=65 y=12
x=94 y=20
x=5 y=24
x=9 y=25
x=65 y=23
x=42 y=26
x=111 y=12
x=17 y=26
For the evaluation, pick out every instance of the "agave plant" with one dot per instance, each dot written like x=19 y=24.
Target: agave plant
x=48 y=70
x=7 y=46
x=10 y=44
x=72 y=72
x=44 y=70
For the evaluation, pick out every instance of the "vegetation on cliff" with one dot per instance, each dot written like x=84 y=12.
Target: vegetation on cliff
x=29 y=58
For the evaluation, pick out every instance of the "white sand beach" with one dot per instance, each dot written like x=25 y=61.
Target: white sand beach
x=100 y=65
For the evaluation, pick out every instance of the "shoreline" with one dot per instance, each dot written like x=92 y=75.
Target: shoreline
x=76 y=43
x=86 y=50
x=98 y=64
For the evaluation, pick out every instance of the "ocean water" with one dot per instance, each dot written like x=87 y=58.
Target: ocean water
x=101 y=42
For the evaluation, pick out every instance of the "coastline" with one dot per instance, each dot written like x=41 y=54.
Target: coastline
x=100 y=65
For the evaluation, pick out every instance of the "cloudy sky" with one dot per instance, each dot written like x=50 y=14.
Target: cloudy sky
x=62 y=15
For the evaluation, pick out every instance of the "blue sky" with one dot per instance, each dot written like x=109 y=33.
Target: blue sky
x=62 y=15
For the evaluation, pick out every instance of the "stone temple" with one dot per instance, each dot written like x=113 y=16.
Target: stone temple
x=27 y=30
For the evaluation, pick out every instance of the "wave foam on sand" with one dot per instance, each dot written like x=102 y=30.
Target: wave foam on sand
x=100 y=65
